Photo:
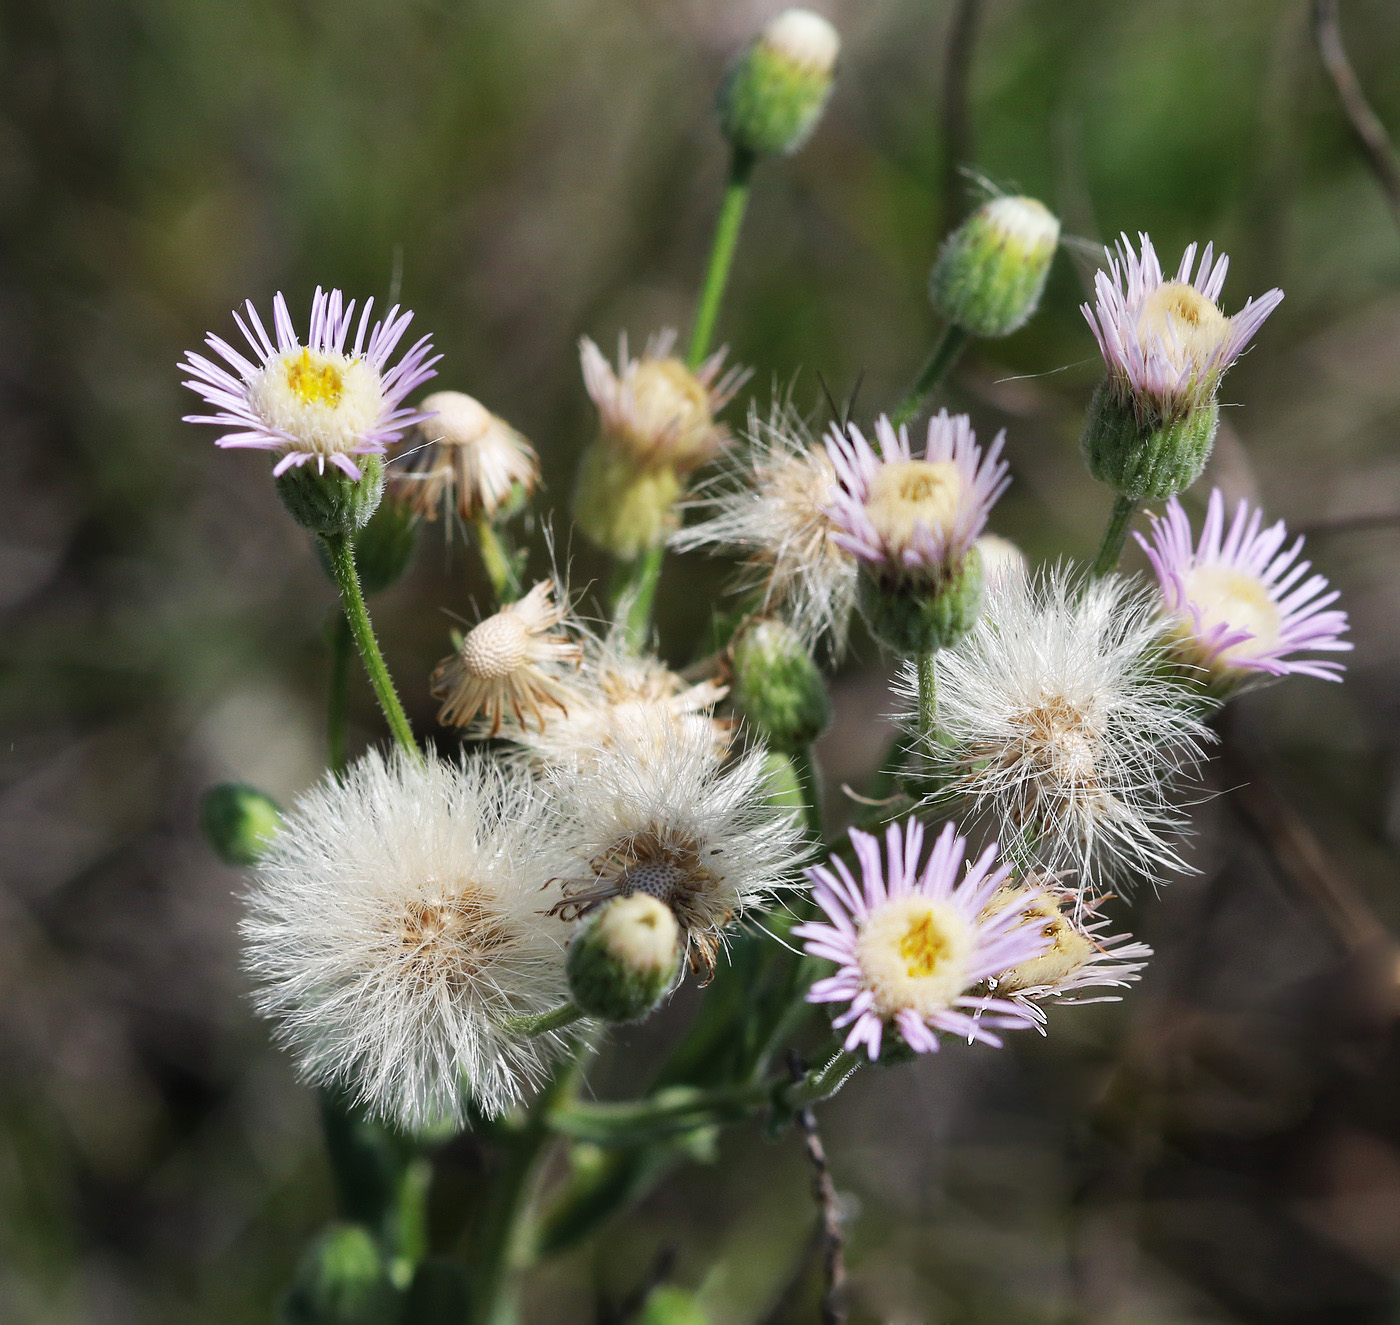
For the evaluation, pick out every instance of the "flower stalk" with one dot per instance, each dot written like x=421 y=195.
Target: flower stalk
x=1111 y=549
x=940 y=363
x=727 y=227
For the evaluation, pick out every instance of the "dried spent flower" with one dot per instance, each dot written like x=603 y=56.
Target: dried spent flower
x=468 y=460
x=328 y=400
x=658 y=814
x=395 y=926
x=913 y=941
x=1237 y=599
x=506 y=665
x=1058 y=725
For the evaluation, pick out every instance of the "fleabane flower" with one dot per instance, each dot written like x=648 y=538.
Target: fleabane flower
x=1166 y=342
x=469 y=460
x=1079 y=953
x=509 y=663
x=1058 y=725
x=772 y=506
x=395 y=927
x=657 y=813
x=619 y=696
x=656 y=425
x=328 y=400
x=912 y=941
x=911 y=520
x=1239 y=601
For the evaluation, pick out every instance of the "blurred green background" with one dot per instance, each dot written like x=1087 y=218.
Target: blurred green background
x=1223 y=1146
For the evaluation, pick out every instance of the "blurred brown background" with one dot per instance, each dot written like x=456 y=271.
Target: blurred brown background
x=1223 y=1146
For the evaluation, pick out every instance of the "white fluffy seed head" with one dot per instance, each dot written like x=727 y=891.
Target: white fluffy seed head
x=396 y=925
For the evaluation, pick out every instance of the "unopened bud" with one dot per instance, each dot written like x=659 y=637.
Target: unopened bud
x=911 y=617
x=1145 y=457
x=669 y=1305
x=1002 y=561
x=774 y=92
x=239 y=822
x=341 y=1281
x=991 y=272
x=331 y=502
x=622 y=507
x=624 y=958
x=777 y=686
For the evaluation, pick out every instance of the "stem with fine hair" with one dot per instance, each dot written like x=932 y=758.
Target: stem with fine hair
x=927 y=665
x=731 y=219
x=945 y=354
x=338 y=699
x=1111 y=549
x=500 y=569
x=809 y=778
x=634 y=595
x=341 y=552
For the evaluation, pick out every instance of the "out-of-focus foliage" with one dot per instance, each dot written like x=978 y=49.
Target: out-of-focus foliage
x=1223 y=1146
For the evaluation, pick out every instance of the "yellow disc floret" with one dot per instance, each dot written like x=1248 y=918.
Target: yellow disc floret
x=1226 y=596
x=914 y=953
x=910 y=494
x=322 y=401
x=1189 y=327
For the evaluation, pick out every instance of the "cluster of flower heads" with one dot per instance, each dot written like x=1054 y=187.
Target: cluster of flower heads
x=411 y=913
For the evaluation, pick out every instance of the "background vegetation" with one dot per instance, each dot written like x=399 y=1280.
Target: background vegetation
x=1223 y=1146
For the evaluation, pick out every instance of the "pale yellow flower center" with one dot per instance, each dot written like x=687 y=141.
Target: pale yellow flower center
x=914 y=953
x=1224 y=595
x=315 y=381
x=669 y=398
x=912 y=493
x=1189 y=326
x=1070 y=948
x=326 y=402
x=497 y=647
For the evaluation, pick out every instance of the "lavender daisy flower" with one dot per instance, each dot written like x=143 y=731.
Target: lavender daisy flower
x=1166 y=342
x=321 y=400
x=907 y=516
x=912 y=942
x=1240 y=602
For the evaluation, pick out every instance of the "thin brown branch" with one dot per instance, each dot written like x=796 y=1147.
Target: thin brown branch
x=832 y=1241
x=1365 y=124
x=954 y=112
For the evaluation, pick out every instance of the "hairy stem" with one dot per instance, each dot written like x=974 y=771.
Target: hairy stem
x=927 y=664
x=1111 y=549
x=341 y=552
x=500 y=570
x=634 y=595
x=945 y=354
x=809 y=776
x=555 y=1019
x=731 y=219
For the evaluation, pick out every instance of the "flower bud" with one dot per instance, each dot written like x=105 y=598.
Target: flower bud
x=782 y=785
x=777 y=686
x=330 y=502
x=1002 y=560
x=624 y=958
x=341 y=1281
x=1145 y=457
x=991 y=271
x=774 y=92
x=239 y=822
x=910 y=618
x=669 y=1305
x=624 y=509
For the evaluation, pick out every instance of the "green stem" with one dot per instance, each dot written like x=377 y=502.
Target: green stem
x=338 y=706
x=500 y=569
x=341 y=552
x=928 y=697
x=945 y=355
x=731 y=218
x=1124 y=508
x=808 y=775
x=555 y=1019
x=634 y=594
x=824 y=1082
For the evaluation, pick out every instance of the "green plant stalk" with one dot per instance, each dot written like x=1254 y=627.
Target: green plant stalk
x=945 y=354
x=634 y=595
x=809 y=776
x=555 y=1019
x=727 y=227
x=1111 y=549
x=928 y=697
x=338 y=703
x=341 y=553
x=500 y=569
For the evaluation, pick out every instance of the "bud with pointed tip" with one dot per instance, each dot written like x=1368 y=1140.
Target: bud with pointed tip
x=775 y=91
x=991 y=272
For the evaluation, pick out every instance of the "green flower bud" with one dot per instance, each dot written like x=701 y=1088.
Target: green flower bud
x=783 y=787
x=624 y=507
x=624 y=958
x=991 y=271
x=909 y=617
x=239 y=822
x=669 y=1305
x=341 y=1281
x=332 y=502
x=1145 y=458
x=774 y=92
x=777 y=686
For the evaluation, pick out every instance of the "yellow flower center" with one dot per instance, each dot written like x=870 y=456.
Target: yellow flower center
x=914 y=953
x=315 y=381
x=1070 y=948
x=910 y=494
x=1189 y=326
x=1224 y=595
x=671 y=417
